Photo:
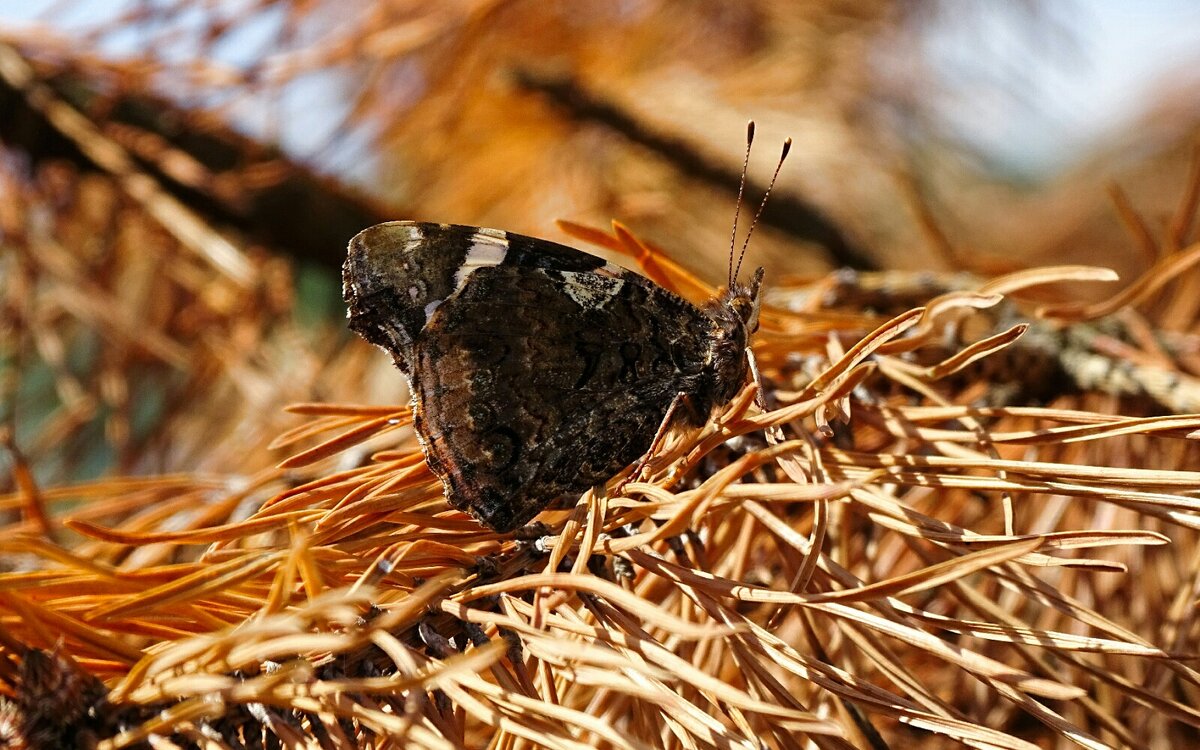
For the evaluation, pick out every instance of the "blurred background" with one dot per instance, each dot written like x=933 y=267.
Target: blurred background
x=178 y=180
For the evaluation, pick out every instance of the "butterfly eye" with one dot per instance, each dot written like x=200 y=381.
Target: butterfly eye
x=746 y=308
x=742 y=307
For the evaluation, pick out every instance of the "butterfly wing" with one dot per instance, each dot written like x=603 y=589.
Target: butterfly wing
x=537 y=370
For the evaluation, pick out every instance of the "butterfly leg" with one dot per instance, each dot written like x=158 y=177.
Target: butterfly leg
x=773 y=432
x=759 y=399
x=681 y=400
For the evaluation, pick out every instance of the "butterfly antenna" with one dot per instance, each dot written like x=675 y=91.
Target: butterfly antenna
x=787 y=146
x=738 y=206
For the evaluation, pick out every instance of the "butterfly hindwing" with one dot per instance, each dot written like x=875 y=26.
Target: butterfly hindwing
x=549 y=408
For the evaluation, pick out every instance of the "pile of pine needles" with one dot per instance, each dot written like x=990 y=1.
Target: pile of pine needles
x=881 y=552
x=963 y=510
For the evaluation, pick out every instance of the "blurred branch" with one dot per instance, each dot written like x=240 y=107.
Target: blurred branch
x=189 y=229
x=786 y=212
x=170 y=158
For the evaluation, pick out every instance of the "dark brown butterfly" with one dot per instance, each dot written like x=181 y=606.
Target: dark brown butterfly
x=538 y=370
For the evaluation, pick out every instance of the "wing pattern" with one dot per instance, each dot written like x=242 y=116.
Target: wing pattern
x=537 y=370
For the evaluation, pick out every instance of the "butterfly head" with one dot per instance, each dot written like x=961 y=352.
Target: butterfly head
x=744 y=301
x=734 y=313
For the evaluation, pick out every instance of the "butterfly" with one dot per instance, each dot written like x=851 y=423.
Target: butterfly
x=538 y=370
